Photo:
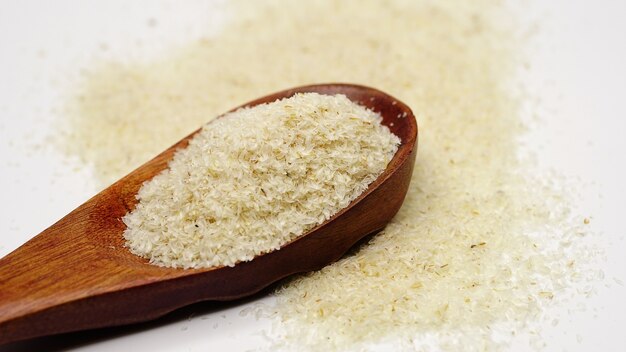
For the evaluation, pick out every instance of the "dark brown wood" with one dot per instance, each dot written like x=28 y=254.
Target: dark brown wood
x=78 y=275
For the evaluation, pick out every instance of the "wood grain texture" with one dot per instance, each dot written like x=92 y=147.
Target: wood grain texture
x=78 y=275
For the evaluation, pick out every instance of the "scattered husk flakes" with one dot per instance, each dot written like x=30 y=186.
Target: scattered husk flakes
x=481 y=246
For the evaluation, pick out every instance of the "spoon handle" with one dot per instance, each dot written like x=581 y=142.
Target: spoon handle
x=60 y=279
x=63 y=264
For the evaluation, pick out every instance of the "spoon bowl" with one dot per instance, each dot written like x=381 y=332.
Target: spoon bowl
x=78 y=275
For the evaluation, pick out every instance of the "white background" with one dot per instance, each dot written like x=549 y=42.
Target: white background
x=577 y=67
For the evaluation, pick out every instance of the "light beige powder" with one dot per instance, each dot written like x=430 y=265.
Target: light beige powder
x=479 y=246
x=258 y=178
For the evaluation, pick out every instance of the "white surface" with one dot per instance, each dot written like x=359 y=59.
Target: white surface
x=577 y=67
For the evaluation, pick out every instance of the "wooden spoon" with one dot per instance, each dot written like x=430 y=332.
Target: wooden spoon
x=78 y=275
